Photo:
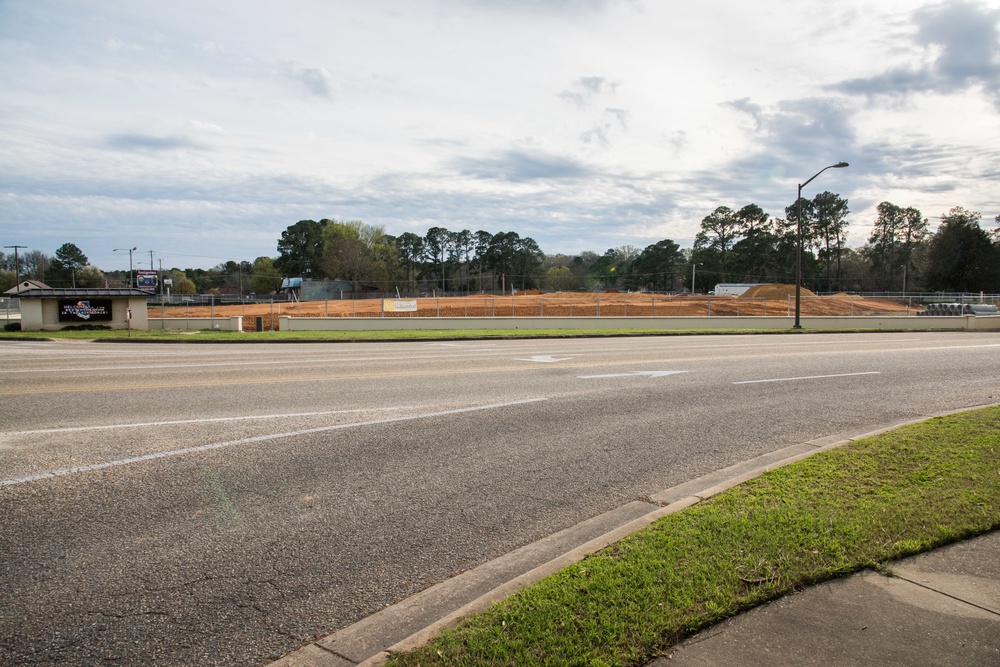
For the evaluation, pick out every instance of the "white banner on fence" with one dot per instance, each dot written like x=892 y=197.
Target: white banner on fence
x=391 y=306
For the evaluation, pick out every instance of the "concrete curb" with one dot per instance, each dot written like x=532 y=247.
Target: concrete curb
x=415 y=620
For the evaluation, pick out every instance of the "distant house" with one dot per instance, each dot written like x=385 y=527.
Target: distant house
x=25 y=285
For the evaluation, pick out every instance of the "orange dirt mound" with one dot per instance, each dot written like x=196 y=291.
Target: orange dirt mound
x=774 y=291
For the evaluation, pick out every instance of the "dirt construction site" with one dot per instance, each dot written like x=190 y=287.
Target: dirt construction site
x=759 y=301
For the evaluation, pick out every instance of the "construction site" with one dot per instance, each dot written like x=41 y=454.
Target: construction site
x=760 y=301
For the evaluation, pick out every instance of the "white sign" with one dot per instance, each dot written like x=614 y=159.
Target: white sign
x=391 y=306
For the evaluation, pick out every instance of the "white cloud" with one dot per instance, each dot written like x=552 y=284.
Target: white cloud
x=587 y=124
x=115 y=45
x=316 y=80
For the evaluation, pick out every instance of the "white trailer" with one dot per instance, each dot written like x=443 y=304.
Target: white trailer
x=733 y=289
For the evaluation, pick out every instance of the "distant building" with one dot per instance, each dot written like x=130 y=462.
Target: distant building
x=26 y=285
x=306 y=289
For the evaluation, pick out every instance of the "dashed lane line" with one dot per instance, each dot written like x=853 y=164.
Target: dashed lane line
x=174 y=422
x=260 y=438
x=808 y=377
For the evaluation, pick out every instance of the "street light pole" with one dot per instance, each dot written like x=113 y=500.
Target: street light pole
x=130 y=251
x=798 y=244
x=693 y=266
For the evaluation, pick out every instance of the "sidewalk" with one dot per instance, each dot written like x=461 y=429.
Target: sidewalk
x=939 y=608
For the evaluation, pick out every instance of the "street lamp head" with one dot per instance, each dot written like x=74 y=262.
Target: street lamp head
x=841 y=165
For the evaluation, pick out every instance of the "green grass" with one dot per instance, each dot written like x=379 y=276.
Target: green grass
x=855 y=507
x=196 y=336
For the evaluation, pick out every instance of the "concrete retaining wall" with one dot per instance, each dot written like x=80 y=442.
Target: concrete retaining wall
x=968 y=322
x=196 y=324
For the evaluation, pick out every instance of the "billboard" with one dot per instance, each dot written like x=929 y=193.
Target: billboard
x=85 y=310
x=145 y=279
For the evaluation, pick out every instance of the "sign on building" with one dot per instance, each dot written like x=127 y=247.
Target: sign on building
x=88 y=310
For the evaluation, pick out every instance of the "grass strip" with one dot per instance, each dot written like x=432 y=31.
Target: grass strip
x=835 y=513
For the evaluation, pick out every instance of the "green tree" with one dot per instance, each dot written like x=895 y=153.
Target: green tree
x=264 y=276
x=437 y=243
x=528 y=258
x=7 y=279
x=657 y=266
x=752 y=254
x=559 y=279
x=895 y=234
x=500 y=258
x=481 y=247
x=719 y=233
x=68 y=261
x=35 y=265
x=300 y=249
x=961 y=256
x=409 y=253
x=182 y=284
x=830 y=230
x=90 y=276
x=361 y=253
x=605 y=269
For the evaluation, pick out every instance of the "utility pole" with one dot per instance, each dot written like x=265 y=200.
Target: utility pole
x=17 y=264
x=130 y=250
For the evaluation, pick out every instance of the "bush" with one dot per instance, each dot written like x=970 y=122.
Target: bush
x=12 y=326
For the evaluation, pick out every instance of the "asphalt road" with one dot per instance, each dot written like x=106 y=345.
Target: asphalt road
x=223 y=504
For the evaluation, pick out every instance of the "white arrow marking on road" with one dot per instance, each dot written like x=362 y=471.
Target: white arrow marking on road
x=652 y=374
x=547 y=359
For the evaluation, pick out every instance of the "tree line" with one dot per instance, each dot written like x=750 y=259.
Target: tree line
x=901 y=254
x=732 y=245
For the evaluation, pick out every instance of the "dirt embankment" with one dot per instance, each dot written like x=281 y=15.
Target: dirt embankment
x=763 y=300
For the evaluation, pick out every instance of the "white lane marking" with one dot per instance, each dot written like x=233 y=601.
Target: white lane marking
x=652 y=374
x=207 y=420
x=285 y=362
x=471 y=346
x=808 y=377
x=289 y=363
x=260 y=438
x=546 y=359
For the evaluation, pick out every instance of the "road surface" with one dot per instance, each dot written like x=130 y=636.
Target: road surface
x=224 y=504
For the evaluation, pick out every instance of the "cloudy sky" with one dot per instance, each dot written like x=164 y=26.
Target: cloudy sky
x=202 y=129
